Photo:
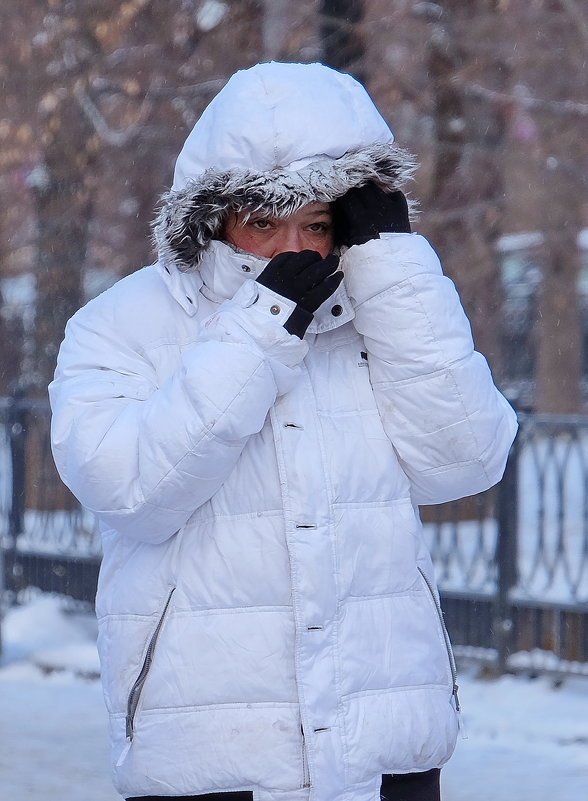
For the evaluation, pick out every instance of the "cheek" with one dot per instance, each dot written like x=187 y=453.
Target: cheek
x=322 y=244
x=247 y=240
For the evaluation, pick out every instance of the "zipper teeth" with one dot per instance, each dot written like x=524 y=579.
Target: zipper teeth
x=446 y=638
x=136 y=689
x=305 y=770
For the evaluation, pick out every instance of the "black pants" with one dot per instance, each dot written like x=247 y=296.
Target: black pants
x=412 y=786
x=408 y=787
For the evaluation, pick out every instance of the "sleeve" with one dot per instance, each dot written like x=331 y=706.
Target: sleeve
x=450 y=426
x=141 y=456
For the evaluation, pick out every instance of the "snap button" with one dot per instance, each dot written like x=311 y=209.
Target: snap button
x=275 y=309
x=337 y=310
x=246 y=268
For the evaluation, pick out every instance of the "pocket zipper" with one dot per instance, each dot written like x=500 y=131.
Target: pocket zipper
x=137 y=688
x=450 y=654
x=305 y=771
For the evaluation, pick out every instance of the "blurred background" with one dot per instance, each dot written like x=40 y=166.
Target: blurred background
x=491 y=96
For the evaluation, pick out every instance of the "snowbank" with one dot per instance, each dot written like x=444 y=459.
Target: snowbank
x=527 y=739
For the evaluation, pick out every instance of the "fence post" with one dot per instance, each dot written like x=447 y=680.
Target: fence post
x=15 y=421
x=506 y=557
x=17 y=432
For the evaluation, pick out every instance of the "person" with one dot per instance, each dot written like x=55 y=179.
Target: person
x=254 y=420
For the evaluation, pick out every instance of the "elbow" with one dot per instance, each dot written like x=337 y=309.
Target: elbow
x=461 y=479
x=144 y=524
x=496 y=454
x=120 y=505
x=450 y=483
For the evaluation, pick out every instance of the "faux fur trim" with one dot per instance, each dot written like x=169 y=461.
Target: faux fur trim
x=189 y=218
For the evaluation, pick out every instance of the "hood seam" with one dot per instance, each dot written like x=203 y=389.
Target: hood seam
x=189 y=218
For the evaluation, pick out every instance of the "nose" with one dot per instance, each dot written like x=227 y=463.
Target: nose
x=291 y=239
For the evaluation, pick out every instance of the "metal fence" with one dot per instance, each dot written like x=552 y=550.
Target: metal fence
x=512 y=563
x=47 y=540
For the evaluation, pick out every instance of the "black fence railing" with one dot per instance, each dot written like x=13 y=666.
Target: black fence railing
x=512 y=563
x=47 y=540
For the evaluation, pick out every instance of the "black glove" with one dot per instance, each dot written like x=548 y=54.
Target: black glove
x=362 y=214
x=307 y=279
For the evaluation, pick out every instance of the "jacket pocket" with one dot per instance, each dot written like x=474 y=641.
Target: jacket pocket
x=447 y=640
x=139 y=683
x=305 y=769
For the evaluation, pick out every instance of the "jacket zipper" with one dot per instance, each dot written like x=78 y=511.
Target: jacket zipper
x=448 y=648
x=137 y=688
x=305 y=770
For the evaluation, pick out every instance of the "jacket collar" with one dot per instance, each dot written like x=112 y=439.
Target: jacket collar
x=222 y=271
x=183 y=287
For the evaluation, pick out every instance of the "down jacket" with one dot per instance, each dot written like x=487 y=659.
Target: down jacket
x=267 y=610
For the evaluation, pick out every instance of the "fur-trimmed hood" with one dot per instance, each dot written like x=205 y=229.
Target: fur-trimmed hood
x=277 y=136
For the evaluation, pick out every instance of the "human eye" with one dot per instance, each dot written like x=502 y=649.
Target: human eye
x=261 y=224
x=320 y=227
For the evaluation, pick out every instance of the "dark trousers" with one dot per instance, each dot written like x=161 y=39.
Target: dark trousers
x=407 y=787
x=412 y=786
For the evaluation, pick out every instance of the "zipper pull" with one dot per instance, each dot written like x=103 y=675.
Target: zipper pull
x=124 y=752
x=460 y=721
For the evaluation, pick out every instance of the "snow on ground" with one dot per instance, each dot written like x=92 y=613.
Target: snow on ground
x=52 y=719
x=527 y=739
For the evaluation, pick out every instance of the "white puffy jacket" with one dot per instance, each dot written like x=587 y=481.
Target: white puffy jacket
x=268 y=618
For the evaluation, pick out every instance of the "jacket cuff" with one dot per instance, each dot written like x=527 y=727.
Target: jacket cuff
x=383 y=263
x=275 y=307
x=248 y=319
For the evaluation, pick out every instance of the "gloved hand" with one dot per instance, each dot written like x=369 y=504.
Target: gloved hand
x=307 y=279
x=364 y=213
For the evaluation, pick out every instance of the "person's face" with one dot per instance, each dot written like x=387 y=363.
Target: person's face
x=309 y=228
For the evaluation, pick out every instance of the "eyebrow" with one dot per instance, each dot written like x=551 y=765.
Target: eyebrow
x=319 y=213
x=264 y=215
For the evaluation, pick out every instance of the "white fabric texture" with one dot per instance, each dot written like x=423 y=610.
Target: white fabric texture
x=279 y=136
x=265 y=584
x=295 y=113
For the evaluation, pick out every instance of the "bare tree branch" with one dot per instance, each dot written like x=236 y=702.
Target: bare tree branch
x=523 y=99
x=578 y=18
x=94 y=116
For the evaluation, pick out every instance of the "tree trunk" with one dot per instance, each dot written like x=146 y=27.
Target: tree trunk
x=468 y=187
x=63 y=199
x=341 y=38
x=559 y=363
x=546 y=187
x=275 y=24
x=63 y=214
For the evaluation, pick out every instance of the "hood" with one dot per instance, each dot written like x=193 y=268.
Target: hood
x=276 y=137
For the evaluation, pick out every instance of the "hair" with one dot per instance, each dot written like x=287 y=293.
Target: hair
x=189 y=218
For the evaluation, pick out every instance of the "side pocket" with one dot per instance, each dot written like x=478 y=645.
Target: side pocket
x=137 y=688
x=305 y=770
x=448 y=647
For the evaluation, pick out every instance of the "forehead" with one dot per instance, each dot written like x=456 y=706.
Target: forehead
x=310 y=210
x=316 y=208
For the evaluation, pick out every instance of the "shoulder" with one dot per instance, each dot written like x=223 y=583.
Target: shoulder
x=143 y=286
x=136 y=307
